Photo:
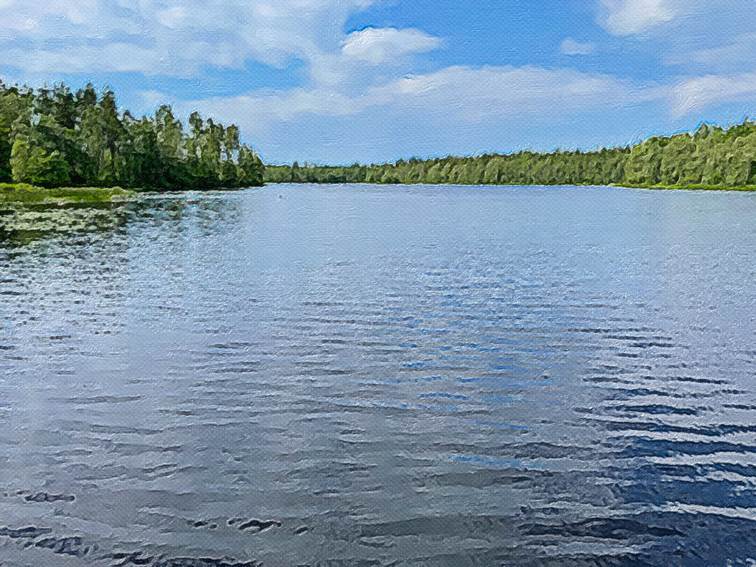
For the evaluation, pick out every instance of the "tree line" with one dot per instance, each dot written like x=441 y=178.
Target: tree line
x=711 y=156
x=53 y=137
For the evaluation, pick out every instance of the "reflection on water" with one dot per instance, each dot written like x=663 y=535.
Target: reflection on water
x=383 y=376
x=24 y=225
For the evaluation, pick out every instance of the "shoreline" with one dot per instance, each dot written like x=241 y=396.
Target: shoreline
x=700 y=187
x=15 y=194
x=738 y=188
x=25 y=194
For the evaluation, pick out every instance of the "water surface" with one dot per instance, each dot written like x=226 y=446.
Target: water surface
x=360 y=375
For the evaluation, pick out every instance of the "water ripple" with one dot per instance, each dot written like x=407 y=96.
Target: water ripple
x=380 y=376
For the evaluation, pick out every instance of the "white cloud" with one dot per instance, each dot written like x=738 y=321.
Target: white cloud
x=172 y=17
x=738 y=53
x=697 y=93
x=573 y=47
x=463 y=99
x=454 y=94
x=477 y=94
x=629 y=17
x=168 y=37
x=153 y=98
x=385 y=45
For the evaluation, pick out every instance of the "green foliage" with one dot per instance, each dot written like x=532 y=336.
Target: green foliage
x=33 y=164
x=26 y=194
x=250 y=171
x=712 y=157
x=51 y=136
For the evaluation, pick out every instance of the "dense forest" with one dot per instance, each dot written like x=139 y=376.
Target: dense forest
x=54 y=137
x=712 y=156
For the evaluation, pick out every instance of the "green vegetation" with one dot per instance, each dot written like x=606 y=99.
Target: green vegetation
x=23 y=193
x=56 y=138
x=711 y=158
x=698 y=187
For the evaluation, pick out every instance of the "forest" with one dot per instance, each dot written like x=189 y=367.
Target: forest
x=711 y=157
x=54 y=137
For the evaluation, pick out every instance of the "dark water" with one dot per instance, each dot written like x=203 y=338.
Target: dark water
x=381 y=376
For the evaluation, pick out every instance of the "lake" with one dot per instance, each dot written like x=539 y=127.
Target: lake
x=379 y=375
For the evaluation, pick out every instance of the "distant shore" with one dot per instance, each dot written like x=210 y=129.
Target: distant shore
x=695 y=187
x=711 y=158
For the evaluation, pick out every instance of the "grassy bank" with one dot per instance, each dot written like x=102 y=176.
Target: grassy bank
x=693 y=187
x=24 y=194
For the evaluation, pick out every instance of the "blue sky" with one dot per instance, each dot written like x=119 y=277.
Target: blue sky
x=337 y=81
